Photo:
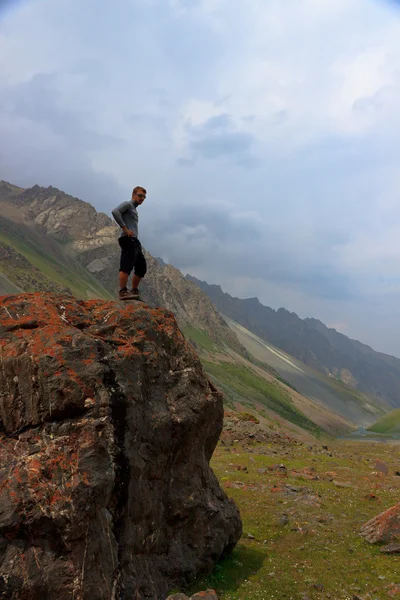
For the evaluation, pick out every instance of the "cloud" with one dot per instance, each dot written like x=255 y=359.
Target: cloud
x=284 y=114
x=6 y=5
x=46 y=140
x=218 y=137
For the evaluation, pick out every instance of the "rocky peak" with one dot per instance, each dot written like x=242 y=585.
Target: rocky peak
x=108 y=424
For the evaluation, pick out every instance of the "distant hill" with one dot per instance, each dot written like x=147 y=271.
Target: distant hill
x=341 y=358
x=388 y=424
x=326 y=391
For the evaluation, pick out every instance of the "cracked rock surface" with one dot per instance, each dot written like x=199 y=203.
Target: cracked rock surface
x=108 y=423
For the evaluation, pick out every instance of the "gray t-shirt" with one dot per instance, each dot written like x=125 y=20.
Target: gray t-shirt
x=126 y=216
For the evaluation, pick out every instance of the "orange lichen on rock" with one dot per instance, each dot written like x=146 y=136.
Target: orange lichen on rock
x=383 y=528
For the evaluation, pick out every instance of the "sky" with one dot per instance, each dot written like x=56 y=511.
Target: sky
x=266 y=133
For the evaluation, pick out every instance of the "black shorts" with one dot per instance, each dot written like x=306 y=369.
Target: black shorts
x=132 y=256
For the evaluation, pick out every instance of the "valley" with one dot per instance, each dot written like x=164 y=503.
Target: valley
x=302 y=508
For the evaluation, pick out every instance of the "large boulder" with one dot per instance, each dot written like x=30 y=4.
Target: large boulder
x=108 y=424
x=383 y=528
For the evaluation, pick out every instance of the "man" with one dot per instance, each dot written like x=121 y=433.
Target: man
x=132 y=257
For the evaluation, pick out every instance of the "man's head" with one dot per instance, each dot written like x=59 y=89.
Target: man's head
x=139 y=195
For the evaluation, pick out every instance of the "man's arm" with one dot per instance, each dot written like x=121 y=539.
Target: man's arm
x=117 y=214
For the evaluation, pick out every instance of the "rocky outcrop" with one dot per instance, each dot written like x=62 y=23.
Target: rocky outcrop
x=107 y=427
x=384 y=528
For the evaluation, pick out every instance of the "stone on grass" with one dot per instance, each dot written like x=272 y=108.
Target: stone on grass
x=391 y=549
x=207 y=595
x=384 y=528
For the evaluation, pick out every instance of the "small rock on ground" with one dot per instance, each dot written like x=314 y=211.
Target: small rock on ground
x=284 y=520
x=391 y=549
x=207 y=595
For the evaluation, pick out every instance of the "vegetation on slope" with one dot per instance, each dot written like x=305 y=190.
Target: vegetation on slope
x=46 y=268
x=200 y=338
x=241 y=383
x=338 y=397
x=389 y=423
x=316 y=345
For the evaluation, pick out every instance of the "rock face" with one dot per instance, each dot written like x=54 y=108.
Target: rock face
x=383 y=528
x=107 y=427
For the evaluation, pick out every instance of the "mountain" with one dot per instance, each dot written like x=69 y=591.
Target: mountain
x=322 y=390
x=326 y=350
x=50 y=241
x=53 y=242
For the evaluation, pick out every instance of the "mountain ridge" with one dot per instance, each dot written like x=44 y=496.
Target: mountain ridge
x=53 y=242
x=309 y=340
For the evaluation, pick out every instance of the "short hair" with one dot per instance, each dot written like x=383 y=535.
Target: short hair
x=137 y=189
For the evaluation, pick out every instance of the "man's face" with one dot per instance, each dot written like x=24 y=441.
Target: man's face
x=139 y=197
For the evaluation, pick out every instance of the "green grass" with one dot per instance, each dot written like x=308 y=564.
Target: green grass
x=349 y=394
x=321 y=544
x=268 y=369
x=78 y=280
x=390 y=423
x=201 y=338
x=243 y=383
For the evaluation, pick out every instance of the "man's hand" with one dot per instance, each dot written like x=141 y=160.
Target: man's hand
x=128 y=232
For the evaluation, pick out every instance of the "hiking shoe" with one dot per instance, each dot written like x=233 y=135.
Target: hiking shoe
x=135 y=294
x=124 y=294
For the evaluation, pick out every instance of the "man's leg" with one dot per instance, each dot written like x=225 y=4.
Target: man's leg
x=135 y=281
x=123 y=280
x=128 y=255
x=140 y=272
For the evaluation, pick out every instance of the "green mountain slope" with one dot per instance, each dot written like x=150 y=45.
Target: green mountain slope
x=32 y=263
x=388 y=424
x=252 y=386
x=341 y=399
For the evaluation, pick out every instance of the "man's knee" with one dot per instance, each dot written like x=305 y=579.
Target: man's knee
x=140 y=266
x=126 y=263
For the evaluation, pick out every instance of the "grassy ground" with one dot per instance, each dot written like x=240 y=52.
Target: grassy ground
x=306 y=531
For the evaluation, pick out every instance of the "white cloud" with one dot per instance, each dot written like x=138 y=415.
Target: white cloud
x=299 y=68
x=285 y=111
